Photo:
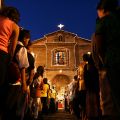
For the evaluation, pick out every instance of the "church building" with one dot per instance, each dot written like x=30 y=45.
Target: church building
x=60 y=53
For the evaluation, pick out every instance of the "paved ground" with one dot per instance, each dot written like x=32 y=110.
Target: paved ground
x=60 y=115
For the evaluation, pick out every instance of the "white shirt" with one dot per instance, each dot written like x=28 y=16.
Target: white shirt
x=22 y=57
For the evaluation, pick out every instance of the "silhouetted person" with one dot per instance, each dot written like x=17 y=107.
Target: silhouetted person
x=91 y=78
x=105 y=49
x=16 y=100
x=9 y=32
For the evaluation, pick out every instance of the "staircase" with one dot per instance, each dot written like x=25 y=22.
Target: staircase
x=60 y=115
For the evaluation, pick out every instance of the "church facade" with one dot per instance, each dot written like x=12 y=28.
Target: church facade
x=60 y=53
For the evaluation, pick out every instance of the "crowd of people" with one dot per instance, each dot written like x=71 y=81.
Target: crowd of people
x=93 y=94
x=17 y=72
x=101 y=69
x=83 y=93
x=42 y=96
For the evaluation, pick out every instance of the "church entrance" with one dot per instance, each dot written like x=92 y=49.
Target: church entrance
x=60 y=82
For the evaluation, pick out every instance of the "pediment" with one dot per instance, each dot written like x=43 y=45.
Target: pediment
x=40 y=41
x=60 y=32
x=60 y=36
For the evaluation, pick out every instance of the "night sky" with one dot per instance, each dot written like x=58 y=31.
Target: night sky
x=42 y=16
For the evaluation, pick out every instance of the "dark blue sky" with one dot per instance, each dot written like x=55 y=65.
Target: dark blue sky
x=42 y=16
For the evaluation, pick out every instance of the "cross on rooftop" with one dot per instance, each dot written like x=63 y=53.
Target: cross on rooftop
x=60 y=26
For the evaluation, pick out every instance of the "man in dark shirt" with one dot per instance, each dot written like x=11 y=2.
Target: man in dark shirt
x=105 y=50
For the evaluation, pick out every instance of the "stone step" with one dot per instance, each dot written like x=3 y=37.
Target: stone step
x=60 y=115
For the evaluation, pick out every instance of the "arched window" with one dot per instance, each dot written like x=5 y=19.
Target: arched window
x=60 y=38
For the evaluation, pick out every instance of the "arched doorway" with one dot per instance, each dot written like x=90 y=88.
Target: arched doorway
x=60 y=80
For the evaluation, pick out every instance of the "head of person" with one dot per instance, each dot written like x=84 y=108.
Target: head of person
x=104 y=7
x=45 y=80
x=40 y=70
x=24 y=36
x=75 y=77
x=10 y=12
x=88 y=58
x=53 y=87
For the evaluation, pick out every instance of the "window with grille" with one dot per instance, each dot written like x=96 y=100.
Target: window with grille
x=60 y=57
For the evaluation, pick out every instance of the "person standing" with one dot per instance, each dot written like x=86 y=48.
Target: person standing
x=91 y=80
x=105 y=51
x=30 y=69
x=76 y=97
x=21 y=57
x=9 y=32
x=35 y=92
x=44 y=96
x=17 y=93
x=29 y=79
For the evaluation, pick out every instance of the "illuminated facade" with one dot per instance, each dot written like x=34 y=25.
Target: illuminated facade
x=60 y=53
